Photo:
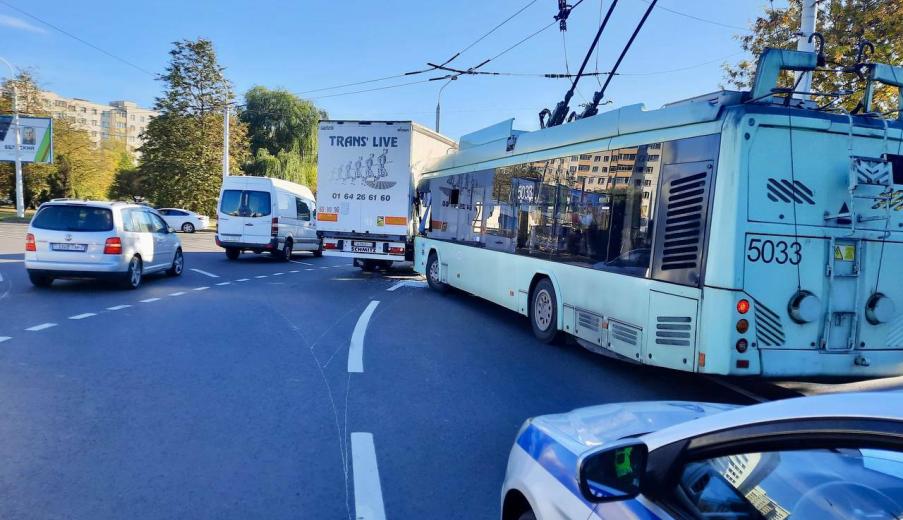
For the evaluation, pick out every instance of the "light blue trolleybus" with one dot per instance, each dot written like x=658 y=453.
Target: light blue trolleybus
x=738 y=233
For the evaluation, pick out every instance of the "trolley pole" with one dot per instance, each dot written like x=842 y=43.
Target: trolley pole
x=226 y=142
x=20 y=188
x=808 y=19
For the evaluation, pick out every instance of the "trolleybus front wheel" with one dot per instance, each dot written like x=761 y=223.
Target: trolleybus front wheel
x=432 y=274
x=544 y=311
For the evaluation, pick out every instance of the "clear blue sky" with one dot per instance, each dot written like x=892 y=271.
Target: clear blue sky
x=305 y=45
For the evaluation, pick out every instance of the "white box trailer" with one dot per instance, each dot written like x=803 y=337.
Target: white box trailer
x=367 y=174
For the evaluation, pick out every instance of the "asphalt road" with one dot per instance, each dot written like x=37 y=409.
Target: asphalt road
x=234 y=391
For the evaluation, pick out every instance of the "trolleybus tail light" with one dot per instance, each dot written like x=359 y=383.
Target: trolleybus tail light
x=742 y=326
x=743 y=306
x=274 y=226
x=702 y=359
x=112 y=246
x=29 y=243
x=742 y=345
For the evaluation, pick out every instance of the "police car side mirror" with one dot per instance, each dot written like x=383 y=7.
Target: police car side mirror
x=614 y=472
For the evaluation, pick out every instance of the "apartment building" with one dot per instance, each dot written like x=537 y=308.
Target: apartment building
x=121 y=120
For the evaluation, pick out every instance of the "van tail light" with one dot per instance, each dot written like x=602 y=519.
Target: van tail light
x=29 y=243
x=274 y=227
x=113 y=246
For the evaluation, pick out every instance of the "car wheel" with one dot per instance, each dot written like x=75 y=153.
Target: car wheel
x=232 y=253
x=544 y=311
x=188 y=227
x=318 y=252
x=134 y=274
x=178 y=264
x=527 y=515
x=286 y=254
x=40 y=280
x=433 y=276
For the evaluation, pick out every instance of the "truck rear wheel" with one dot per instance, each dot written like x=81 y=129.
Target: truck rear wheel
x=433 y=276
x=368 y=266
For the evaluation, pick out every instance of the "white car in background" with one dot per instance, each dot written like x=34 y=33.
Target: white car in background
x=104 y=240
x=828 y=457
x=184 y=220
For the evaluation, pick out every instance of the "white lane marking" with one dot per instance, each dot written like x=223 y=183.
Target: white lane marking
x=180 y=293
x=242 y=280
x=261 y=276
x=41 y=327
x=82 y=316
x=278 y=274
x=309 y=269
x=118 y=307
x=325 y=267
x=149 y=300
x=293 y=271
x=368 y=494
x=200 y=288
x=408 y=283
x=224 y=283
x=356 y=350
x=299 y=262
x=205 y=273
x=4 y=338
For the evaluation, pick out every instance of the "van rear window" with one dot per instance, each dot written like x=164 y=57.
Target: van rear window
x=245 y=203
x=73 y=218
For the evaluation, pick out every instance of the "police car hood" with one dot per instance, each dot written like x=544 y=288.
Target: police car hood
x=596 y=425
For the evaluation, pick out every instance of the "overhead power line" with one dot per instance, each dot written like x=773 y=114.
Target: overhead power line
x=700 y=19
x=387 y=87
x=81 y=40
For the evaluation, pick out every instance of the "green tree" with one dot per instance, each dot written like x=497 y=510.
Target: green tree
x=282 y=132
x=181 y=158
x=843 y=23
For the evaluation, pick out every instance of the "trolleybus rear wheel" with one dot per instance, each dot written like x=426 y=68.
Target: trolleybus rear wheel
x=544 y=311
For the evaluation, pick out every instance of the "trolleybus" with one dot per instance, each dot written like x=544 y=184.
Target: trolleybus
x=740 y=233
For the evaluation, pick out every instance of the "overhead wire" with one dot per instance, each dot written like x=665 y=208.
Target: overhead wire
x=701 y=19
x=79 y=39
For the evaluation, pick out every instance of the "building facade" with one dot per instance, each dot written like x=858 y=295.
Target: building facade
x=119 y=120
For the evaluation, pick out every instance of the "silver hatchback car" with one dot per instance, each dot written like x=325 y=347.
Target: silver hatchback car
x=90 y=239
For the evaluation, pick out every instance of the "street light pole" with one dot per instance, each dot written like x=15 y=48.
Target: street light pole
x=439 y=100
x=20 y=190
x=226 y=142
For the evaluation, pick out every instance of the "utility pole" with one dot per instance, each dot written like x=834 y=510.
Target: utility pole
x=20 y=189
x=804 y=43
x=439 y=100
x=226 y=142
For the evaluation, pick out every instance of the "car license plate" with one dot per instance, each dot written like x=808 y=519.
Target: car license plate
x=78 y=248
x=363 y=247
x=229 y=238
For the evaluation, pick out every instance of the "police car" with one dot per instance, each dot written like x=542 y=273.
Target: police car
x=824 y=457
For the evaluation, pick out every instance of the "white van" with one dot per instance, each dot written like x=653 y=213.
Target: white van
x=262 y=214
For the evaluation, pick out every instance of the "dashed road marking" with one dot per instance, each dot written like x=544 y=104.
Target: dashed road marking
x=325 y=267
x=224 y=283
x=205 y=273
x=278 y=274
x=4 y=338
x=368 y=495
x=118 y=307
x=41 y=327
x=82 y=316
x=293 y=271
x=356 y=349
x=149 y=300
x=408 y=283
x=179 y=293
x=261 y=276
x=299 y=262
x=200 y=288
x=242 y=280
x=310 y=269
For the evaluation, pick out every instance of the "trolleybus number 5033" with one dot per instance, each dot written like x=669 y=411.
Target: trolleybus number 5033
x=769 y=251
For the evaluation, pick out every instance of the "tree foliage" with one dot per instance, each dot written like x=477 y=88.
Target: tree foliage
x=282 y=131
x=843 y=23
x=80 y=168
x=181 y=158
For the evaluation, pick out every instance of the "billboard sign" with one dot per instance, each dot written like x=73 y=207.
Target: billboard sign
x=37 y=139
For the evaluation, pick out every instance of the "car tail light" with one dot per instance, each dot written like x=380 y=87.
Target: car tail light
x=274 y=226
x=113 y=246
x=29 y=243
x=396 y=250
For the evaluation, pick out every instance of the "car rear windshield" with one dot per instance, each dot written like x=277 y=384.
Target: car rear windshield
x=245 y=203
x=73 y=218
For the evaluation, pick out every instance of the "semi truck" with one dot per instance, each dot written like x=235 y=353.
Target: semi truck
x=367 y=173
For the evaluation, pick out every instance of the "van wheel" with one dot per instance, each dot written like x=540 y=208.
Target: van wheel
x=544 y=311
x=178 y=264
x=318 y=252
x=40 y=280
x=286 y=253
x=134 y=275
x=433 y=277
x=188 y=227
x=232 y=253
